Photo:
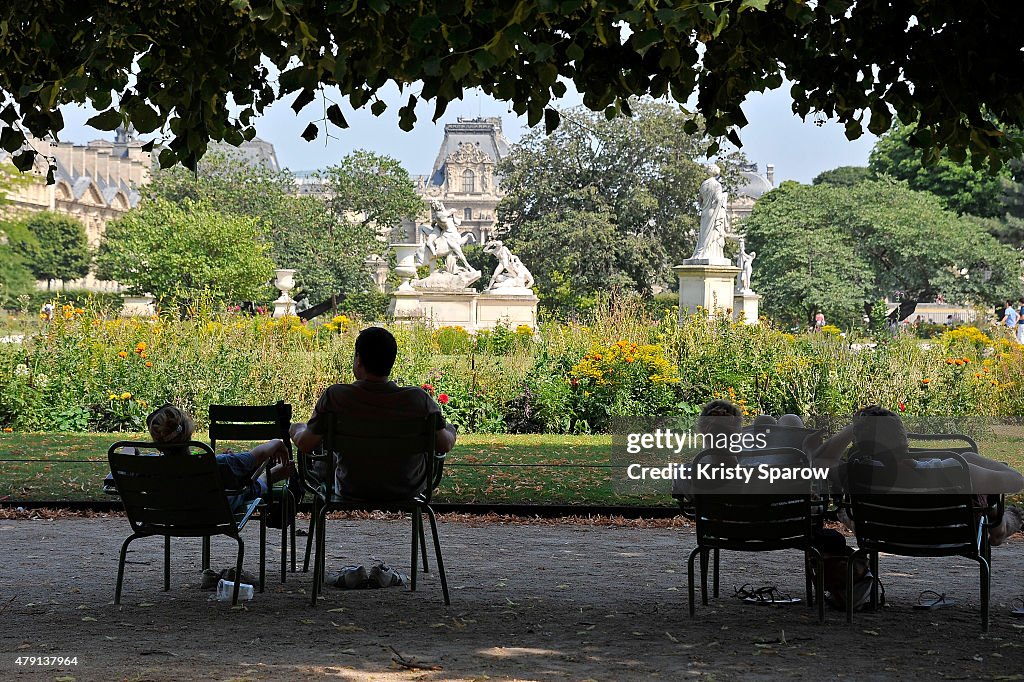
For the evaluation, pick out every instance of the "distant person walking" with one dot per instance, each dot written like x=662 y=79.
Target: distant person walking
x=1010 y=318
x=819 y=321
x=1020 y=320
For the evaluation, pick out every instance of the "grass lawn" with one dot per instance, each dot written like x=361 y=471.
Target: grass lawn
x=519 y=469
x=522 y=469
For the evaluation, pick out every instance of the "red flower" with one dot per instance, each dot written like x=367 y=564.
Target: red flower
x=903 y=407
x=429 y=388
x=443 y=398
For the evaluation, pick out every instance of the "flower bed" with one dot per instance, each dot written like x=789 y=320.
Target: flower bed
x=86 y=372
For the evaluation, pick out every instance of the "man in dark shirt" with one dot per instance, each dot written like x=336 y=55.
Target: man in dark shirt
x=373 y=396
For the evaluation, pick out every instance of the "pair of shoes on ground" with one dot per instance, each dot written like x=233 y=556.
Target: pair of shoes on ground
x=211 y=578
x=357 y=577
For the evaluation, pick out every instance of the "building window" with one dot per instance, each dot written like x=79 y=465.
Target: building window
x=468 y=214
x=468 y=181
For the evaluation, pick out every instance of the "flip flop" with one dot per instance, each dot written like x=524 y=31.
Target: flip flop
x=1018 y=608
x=769 y=594
x=930 y=599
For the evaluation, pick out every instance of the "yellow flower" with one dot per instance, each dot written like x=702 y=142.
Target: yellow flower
x=126 y=396
x=113 y=396
x=122 y=354
x=148 y=363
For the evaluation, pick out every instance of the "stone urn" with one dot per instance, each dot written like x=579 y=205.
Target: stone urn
x=285 y=282
x=138 y=306
x=405 y=267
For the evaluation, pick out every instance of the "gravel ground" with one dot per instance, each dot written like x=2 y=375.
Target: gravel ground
x=531 y=600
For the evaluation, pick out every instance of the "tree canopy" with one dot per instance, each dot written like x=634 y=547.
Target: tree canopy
x=59 y=248
x=599 y=204
x=324 y=247
x=375 y=187
x=203 y=70
x=182 y=251
x=834 y=248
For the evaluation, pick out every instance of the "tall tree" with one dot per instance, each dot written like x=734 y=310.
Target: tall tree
x=59 y=248
x=204 y=69
x=636 y=178
x=374 y=189
x=327 y=250
x=843 y=176
x=15 y=276
x=182 y=251
x=835 y=248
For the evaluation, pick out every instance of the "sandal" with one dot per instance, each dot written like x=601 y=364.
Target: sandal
x=930 y=599
x=769 y=594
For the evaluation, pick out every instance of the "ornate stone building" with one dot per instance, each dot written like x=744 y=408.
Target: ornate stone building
x=752 y=186
x=464 y=174
x=99 y=181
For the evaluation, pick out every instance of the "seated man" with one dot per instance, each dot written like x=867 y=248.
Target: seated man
x=169 y=425
x=373 y=396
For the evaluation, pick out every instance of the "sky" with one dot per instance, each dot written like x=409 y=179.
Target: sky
x=799 y=150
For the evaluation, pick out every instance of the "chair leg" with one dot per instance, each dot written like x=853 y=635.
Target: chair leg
x=285 y=509
x=437 y=552
x=120 y=567
x=690 y=581
x=415 y=538
x=319 y=560
x=263 y=548
x=295 y=522
x=423 y=542
x=715 y=593
x=167 y=563
x=704 y=556
x=310 y=535
x=238 y=570
x=986 y=591
x=819 y=580
x=206 y=552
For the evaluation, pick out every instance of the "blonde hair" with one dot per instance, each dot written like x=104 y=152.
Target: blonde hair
x=168 y=424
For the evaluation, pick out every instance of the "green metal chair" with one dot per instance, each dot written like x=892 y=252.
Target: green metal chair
x=260 y=423
x=177 y=495
x=729 y=517
x=371 y=452
x=911 y=512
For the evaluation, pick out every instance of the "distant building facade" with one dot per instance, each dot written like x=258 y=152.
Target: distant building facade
x=99 y=182
x=464 y=175
x=752 y=185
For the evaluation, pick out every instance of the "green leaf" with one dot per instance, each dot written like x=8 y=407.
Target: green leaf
x=310 y=133
x=378 y=107
x=303 y=98
x=24 y=160
x=11 y=139
x=551 y=120
x=760 y=5
x=335 y=116
x=107 y=120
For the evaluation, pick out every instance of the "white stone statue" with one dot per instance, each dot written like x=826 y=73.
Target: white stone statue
x=714 y=223
x=745 y=262
x=510 y=273
x=443 y=243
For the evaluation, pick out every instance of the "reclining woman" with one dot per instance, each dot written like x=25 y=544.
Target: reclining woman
x=169 y=425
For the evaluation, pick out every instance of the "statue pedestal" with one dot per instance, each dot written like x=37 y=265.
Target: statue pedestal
x=138 y=306
x=466 y=308
x=746 y=303
x=710 y=287
x=511 y=308
x=442 y=308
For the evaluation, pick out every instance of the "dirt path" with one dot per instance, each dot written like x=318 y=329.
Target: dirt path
x=530 y=602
